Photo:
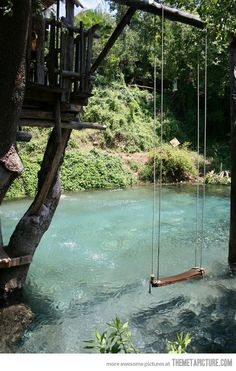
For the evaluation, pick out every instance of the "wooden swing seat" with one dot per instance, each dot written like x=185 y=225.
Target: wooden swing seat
x=193 y=272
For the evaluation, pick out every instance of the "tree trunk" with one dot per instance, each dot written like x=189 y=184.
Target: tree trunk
x=37 y=219
x=32 y=226
x=13 y=38
x=232 y=240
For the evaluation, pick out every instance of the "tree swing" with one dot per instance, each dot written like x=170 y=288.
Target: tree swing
x=197 y=270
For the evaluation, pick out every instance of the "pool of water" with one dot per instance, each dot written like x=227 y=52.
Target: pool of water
x=95 y=260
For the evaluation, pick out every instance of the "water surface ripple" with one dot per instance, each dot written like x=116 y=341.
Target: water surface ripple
x=95 y=260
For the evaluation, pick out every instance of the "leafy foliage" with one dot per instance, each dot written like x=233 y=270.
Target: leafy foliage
x=93 y=169
x=127 y=113
x=26 y=184
x=80 y=170
x=115 y=339
x=178 y=164
x=222 y=178
x=179 y=346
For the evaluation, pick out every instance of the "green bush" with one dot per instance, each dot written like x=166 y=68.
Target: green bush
x=178 y=164
x=212 y=178
x=94 y=169
x=80 y=171
x=26 y=184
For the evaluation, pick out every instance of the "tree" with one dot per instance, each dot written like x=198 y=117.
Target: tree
x=32 y=226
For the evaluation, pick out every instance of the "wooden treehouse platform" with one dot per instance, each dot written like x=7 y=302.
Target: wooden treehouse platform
x=58 y=75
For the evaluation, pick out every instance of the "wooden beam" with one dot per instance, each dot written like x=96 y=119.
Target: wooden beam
x=173 y=14
x=78 y=3
x=232 y=238
x=86 y=125
x=123 y=23
x=64 y=125
x=63 y=24
x=44 y=115
x=16 y=262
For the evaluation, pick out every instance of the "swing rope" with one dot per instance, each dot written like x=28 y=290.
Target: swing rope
x=204 y=155
x=154 y=148
x=197 y=270
x=198 y=155
x=161 y=143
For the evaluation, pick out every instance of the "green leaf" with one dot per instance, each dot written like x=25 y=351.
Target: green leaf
x=125 y=325
x=115 y=348
x=98 y=336
x=88 y=341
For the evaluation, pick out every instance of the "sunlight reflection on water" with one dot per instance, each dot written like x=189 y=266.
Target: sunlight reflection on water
x=95 y=260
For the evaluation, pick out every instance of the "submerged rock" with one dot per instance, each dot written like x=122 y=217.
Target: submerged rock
x=13 y=321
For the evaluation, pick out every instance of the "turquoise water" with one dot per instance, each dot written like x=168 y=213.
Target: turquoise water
x=94 y=263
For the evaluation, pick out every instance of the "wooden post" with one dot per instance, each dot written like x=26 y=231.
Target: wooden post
x=89 y=60
x=232 y=239
x=40 y=30
x=77 y=60
x=69 y=46
x=82 y=56
x=52 y=55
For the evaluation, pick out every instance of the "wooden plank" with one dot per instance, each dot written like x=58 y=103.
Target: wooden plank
x=71 y=74
x=36 y=93
x=111 y=41
x=68 y=107
x=16 y=262
x=63 y=23
x=86 y=125
x=44 y=115
x=192 y=273
x=64 y=125
x=173 y=14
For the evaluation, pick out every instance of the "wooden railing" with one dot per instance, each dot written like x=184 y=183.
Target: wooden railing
x=56 y=46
